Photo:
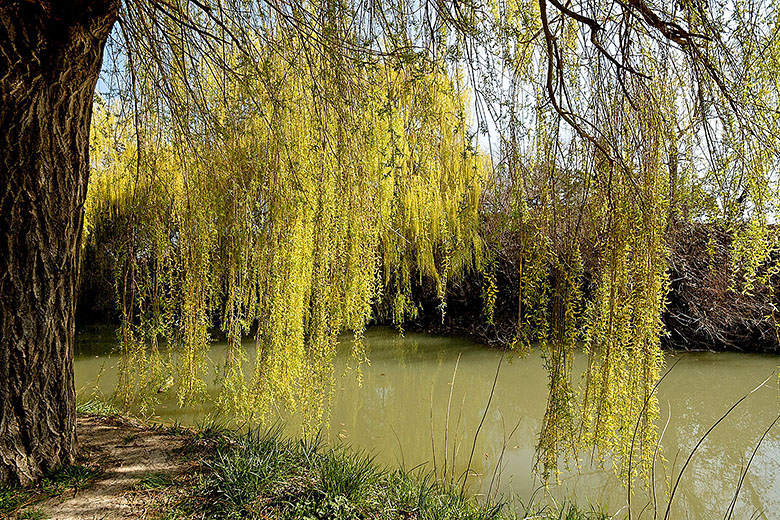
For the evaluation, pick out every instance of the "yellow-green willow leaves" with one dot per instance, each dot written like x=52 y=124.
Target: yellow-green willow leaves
x=593 y=253
x=288 y=227
x=291 y=170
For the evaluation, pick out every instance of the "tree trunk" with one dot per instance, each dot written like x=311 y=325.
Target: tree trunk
x=50 y=58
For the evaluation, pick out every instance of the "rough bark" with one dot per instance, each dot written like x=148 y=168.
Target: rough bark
x=50 y=58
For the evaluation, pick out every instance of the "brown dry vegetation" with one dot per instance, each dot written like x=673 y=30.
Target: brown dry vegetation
x=708 y=308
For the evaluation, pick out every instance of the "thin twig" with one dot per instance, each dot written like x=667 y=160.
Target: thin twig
x=447 y=421
x=690 y=456
x=652 y=466
x=481 y=422
x=636 y=429
x=730 y=510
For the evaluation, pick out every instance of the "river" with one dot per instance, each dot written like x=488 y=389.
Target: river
x=399 y=413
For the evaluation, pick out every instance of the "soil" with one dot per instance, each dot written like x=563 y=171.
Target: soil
x=125 y=451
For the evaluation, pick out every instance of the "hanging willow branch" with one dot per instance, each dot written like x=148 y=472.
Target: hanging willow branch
x=292 y=170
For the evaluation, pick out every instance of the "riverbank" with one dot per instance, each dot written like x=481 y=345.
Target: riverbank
x=131 y=469
x=710 y=304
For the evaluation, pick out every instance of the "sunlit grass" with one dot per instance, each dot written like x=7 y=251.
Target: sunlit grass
x=154 y=481
x=264 y=475
x=97 y=407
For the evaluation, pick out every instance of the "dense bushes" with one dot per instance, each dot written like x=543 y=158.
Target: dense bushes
x=709 y=305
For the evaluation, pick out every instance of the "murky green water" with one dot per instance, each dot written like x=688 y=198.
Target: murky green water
x=399 y=415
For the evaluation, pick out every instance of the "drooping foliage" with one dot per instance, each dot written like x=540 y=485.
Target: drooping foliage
x=617 y=124
x=288 y=170
x=289 y=221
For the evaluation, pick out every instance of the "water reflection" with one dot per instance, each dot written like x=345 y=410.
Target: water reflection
x=399 y=414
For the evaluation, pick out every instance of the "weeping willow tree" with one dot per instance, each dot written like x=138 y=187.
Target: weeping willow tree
x=288 y=172
x=620 y=122
x=278 y=168
x=282 y=213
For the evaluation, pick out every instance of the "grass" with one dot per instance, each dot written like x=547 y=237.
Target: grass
x=75 y=477
x=33 y=513
x=97 y=407
x=14 y=498
x=175 y=429
x=212 y=428
x=268 y=476
x=264 y=475
x=155 y=481
x=565 y=511
x=18 y=502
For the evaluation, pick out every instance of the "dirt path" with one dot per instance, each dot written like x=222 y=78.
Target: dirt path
x=126 y=452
